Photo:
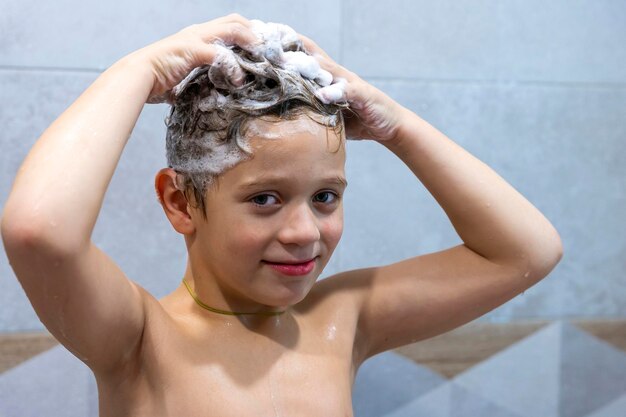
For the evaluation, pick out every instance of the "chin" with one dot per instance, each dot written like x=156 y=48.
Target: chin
x=288 y=297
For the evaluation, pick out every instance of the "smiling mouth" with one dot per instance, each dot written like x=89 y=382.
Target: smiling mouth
x=293 y=269
x=290 y=262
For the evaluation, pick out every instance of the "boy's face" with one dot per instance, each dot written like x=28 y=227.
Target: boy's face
x=282 y=206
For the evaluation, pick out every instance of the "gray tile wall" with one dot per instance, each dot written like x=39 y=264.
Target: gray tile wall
x=537 y=90
x=559 y=370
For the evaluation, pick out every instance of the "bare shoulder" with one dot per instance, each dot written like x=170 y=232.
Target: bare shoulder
x=339 y=293
x=334 y=305
x=421 y=297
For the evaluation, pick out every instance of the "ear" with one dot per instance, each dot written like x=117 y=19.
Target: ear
x=173 y=201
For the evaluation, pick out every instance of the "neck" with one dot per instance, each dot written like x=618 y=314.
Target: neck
x=216 y=310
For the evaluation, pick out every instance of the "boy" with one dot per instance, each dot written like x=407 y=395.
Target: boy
x=249 y=332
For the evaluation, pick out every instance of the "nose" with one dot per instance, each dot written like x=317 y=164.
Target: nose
x=301 y=226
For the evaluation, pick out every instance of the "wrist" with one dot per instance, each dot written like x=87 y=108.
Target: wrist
x=406 y=120
x=135 y=69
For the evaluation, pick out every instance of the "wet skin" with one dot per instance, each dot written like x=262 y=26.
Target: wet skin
x=194 y=362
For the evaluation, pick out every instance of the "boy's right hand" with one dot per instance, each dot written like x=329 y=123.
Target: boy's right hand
x=173 y=58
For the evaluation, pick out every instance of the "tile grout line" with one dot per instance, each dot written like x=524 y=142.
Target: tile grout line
x=342 y=6
x=503 y=82
x=52 y=69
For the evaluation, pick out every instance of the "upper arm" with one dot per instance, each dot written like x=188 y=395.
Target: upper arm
x=427 y=295
x=82 y=298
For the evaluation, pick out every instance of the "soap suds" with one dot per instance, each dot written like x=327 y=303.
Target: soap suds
x=258 y=128
x=332 y=93
x=209 y=123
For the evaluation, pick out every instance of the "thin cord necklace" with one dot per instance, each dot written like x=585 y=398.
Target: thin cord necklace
x=230 y=313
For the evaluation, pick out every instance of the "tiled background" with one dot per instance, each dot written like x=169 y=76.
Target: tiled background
x=557 y=371
x=535 y=89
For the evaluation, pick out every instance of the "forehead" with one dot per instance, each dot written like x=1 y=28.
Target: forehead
x=299 y=149
x=272 y=127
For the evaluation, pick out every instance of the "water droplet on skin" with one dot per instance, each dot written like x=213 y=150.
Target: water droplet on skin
x=273 y=397
x=331 y=333
x=526 y=275
x=488 y=205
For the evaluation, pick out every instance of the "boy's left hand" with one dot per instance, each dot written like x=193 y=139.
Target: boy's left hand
x=378 y=117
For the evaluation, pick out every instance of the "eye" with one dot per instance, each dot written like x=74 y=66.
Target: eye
x=327 y=197
x=262 y=200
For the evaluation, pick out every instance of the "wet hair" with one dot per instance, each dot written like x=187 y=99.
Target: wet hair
x=206 y=125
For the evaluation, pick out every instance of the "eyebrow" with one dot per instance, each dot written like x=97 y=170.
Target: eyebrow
x=339 y=180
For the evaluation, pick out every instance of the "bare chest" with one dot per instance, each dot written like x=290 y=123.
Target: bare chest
x=286 y=385
x=309 y=372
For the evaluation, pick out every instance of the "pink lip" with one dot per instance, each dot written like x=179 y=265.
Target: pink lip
x=293 y=269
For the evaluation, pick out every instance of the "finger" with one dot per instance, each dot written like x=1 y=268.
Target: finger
x=312 y=47
x=224 y=60
x=333 y=93
x=326 y=62
x=231 y=33
x=233 y=17
x=224 y=68
x=335 y=69
x=236 y=33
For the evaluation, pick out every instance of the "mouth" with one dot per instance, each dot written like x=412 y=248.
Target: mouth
x=293 y=267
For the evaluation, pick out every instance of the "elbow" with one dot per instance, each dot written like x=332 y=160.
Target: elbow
x=553 y=259
x=537 y=258
x=545 y=256
x=15 y=233
x=22 y=236
x=554 y=248
x=558 y=249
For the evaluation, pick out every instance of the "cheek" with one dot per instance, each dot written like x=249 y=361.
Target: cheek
x=332 y=229
x=248 y=238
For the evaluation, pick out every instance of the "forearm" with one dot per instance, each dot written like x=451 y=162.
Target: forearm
x=490 y=216
x=61 y=184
